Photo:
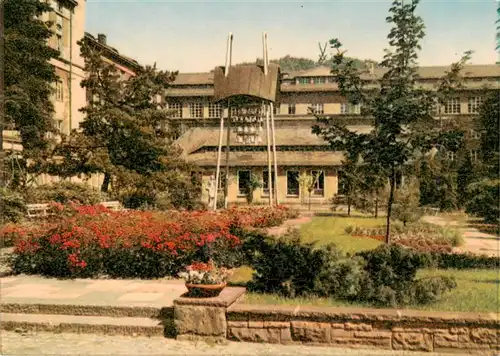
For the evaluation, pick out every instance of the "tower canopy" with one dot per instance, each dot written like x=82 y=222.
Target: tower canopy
x=247 y=80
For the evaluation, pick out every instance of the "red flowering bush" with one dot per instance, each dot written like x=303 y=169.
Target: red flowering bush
x=89 y=241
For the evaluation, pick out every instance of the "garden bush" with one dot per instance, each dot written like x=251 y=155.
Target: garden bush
x=463 y=261
x=64 y=192
x=385 y=276
x=485 y=196
x=391 y=277
x=14 y=205
x=89 y=241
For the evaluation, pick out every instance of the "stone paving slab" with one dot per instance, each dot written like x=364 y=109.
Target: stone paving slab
x=33 y=289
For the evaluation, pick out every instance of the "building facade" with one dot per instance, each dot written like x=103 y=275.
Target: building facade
x=299 y=151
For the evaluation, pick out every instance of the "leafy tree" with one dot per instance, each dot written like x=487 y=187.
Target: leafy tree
x=407 y=208
x=402 y=111
x=28 y=83
x=307 y=182
x=125 y=129
x=485 y=199
x=489 y=124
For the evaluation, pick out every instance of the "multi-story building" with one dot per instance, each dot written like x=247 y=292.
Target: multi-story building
x=298 y=149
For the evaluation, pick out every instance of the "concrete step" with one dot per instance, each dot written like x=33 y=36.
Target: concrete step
x=128 y=326
x=88 y=310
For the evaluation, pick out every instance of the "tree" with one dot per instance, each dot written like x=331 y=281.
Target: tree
x=489 y=124
x=307 y=182
x=125 y=129
x=402 y=111
x=28 y=78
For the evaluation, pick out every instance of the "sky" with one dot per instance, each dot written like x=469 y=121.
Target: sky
x=191 y=36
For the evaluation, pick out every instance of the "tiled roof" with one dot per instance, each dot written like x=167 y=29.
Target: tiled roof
x=431 y=72
x=301 y=135
x=259 y=158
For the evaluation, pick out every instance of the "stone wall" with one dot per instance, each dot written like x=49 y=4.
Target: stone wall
x=366 y=328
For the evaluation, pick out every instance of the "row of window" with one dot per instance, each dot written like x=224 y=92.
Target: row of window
x=292 y=182
x=451 y=106
x=473 y=154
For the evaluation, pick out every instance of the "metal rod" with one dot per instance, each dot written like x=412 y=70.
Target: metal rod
x=219 y=153
x=228 y=143
x=264 y=52
x=273 y=133
x=221 y=130
x=228 y=53
x=269 y=167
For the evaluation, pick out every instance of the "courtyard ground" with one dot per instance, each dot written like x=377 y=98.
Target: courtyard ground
x=13 y=343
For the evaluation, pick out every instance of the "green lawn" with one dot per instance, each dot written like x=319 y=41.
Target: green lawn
x=330 y=229
x=477 y=290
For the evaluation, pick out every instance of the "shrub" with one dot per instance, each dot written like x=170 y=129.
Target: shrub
x=406 y=208
x=391 y=272
x=64 y=192
x=286 y=267
x=484 y=202
x=14 y=205
x=463 y=261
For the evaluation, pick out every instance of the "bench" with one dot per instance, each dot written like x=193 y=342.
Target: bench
x=38 y=210
x=112 y=205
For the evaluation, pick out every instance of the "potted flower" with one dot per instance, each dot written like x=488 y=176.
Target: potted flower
x=205 y=279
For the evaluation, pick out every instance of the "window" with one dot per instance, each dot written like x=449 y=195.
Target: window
x=304 y=80
x=176 y=109
x=435 y=108
x=276 y=109
x=318 y=109
x=59 y=126
x=473 y=155
x=243 y=180
x=292 y=183
x=452 y=106
x=474 y=104
x=319 y=80
x=265 y=182
x=59 y=91
x=450 y=155
x=319 y=182
x=60 y=44
x=291 y=109
x=196 y=110
x=59 y=24
x=475 y=134
x=214 y=110
x=350 y=109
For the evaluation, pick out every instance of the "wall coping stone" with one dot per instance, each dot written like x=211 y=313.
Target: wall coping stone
x=227 y=297
x=283 y=313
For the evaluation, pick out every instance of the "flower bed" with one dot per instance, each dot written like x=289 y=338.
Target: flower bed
x=89 y=241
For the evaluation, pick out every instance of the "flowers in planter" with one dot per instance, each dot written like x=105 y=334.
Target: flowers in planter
x=205 y=273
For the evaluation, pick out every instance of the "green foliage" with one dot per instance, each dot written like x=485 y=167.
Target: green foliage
x=251 y=186
x=64 y=192
x=391 y=277
x=13 y=205
x=489 y=125
x=402 y=112
x=484 y=201
x=464 y=261
x=406 y=208
x=28 y=74
x=287 y=267
x=385 y=276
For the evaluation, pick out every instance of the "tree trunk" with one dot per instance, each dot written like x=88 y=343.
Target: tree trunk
x=348 y=206
x=105 y=182
x=310 y=200
x=376 y=206
x=392 y=183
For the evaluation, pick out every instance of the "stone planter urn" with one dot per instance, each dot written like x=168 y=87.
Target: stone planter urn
x=205 y=290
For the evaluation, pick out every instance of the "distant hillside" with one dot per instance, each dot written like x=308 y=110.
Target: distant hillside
x=296 y=64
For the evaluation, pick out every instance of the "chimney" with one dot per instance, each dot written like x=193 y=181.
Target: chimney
x=101 y=38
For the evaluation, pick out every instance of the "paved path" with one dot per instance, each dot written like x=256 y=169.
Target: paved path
x=290 y=224
x=475 y=241
x=85 y=344
x=144 y=293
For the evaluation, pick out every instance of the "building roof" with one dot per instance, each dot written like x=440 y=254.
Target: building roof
x=112 y=53
x=259 y=158
x=431 y=72
x=197 y=138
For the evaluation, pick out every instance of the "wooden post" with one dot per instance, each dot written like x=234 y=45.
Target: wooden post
x=273 y=133
x=228 y=142
x=269 y=166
